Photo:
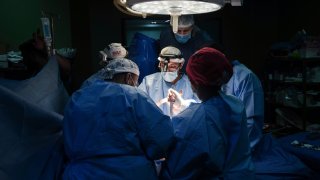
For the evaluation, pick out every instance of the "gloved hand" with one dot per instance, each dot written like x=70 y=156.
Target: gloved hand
x=162 y=101
x=177 y=103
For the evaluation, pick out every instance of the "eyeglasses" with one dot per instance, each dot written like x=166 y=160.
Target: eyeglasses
x=169 y=66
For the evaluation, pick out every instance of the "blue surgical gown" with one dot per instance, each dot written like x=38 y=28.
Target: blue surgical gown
x=114 y=131
x=157 y=88
x=246 y=86
x=212 y=142
x=98 y=76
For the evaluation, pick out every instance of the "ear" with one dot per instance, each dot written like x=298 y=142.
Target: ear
x=181 y=64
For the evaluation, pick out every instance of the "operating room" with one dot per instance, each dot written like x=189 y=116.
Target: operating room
x=277 y=41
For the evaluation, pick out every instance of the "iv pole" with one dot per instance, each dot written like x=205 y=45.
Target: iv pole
x=49 y=36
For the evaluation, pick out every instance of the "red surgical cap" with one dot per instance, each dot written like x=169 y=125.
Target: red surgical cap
x=209 y=67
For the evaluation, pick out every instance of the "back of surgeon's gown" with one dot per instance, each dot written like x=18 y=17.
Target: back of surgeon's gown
x=114 y=131
x=212 y=142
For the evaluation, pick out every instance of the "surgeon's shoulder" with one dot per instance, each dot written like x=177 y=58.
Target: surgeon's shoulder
x=134 y=92
x=142 y=95
x=195 y=109
x=185 y=78
x=108 y=88
x=241 y=70
x=234 y=103
x=153 y=76
x=90 y=93
x=165 y=32
x=94 y=85
x=166 y=38
x=191 y=116
x=242 y=74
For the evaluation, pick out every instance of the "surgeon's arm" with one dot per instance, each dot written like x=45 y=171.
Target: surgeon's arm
x=154 y=128
x=162 y=101
x=253 y=99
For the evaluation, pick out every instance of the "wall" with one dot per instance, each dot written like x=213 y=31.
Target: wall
x=249 y=31
x=20 y=18
x=81 y=40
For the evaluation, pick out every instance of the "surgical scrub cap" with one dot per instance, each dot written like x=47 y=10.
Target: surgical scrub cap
x=171 y=52
x=120 y=65
x=115 y=50
x=185 y=21
x=209 y=67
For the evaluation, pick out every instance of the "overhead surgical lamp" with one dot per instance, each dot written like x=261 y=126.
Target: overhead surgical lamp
x=174 y=8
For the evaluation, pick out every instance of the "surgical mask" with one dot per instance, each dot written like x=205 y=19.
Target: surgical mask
x=169 y=76
x=182 y=38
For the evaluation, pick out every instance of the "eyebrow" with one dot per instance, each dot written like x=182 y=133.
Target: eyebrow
x=184 y=30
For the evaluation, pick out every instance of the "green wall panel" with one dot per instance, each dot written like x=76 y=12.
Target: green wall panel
x=20 y=18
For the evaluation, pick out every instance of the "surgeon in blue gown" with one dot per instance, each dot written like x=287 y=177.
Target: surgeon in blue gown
x=159 y=84
x=212 y=137
x=113 y=130
x=246 y=86
x=189 y=38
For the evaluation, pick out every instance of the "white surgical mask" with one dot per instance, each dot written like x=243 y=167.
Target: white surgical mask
x=169 y=76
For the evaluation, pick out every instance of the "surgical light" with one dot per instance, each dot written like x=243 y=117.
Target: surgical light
x=174 y=8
